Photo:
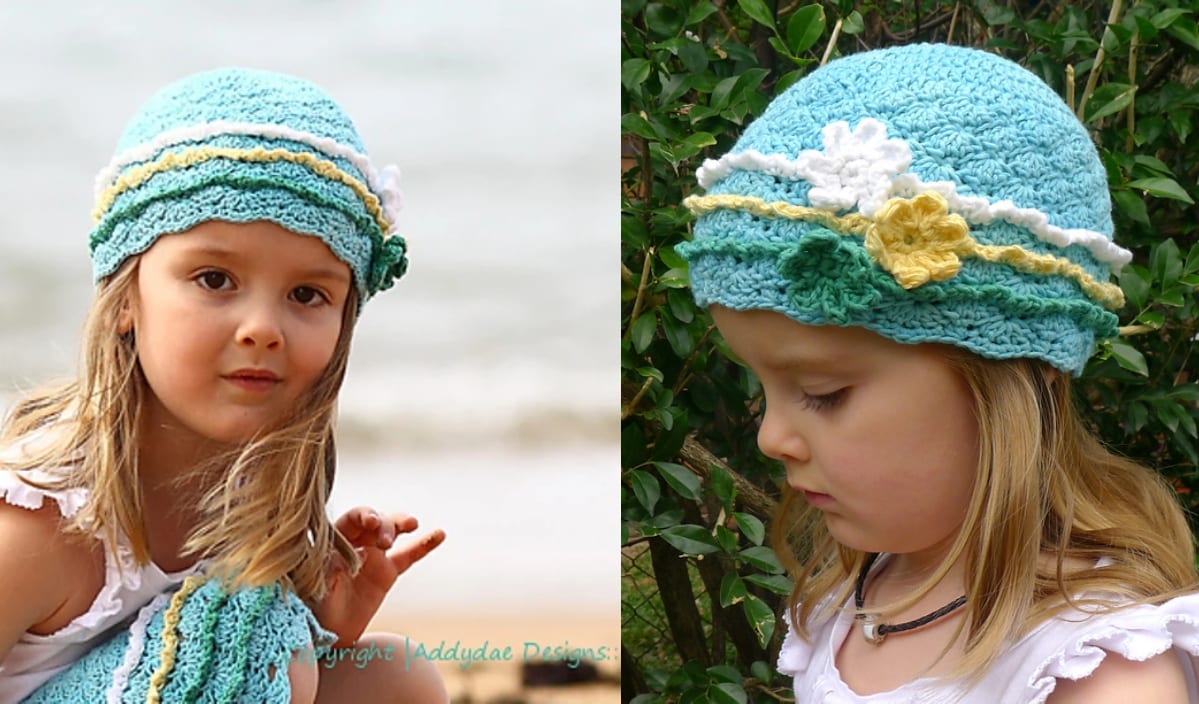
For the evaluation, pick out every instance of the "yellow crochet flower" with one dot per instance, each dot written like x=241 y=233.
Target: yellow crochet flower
x=917 y=239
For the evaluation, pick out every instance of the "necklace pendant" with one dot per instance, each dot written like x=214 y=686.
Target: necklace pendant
x=870 y=629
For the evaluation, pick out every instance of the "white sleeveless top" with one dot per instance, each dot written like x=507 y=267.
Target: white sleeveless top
x=127 y=587
x=1070 y=646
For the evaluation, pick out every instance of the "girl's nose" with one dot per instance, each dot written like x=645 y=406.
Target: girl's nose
x=781 y=439
x=260 y=327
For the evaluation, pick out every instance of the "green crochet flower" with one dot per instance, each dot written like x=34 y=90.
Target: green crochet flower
x=827 y=273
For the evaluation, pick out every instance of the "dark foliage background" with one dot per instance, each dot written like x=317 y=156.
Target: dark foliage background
x=702 y=592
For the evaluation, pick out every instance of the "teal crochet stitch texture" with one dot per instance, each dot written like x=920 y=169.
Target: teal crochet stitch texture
x=929 y=193
x=230 y=649
x=242 y=145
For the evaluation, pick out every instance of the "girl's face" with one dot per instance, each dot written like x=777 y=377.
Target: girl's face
x=880 y=436
x=233 y=323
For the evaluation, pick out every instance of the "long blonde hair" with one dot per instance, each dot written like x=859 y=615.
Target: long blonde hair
x=264 y=517
x=1045 y=486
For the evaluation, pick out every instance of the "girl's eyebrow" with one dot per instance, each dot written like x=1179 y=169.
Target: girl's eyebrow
x=335 y=274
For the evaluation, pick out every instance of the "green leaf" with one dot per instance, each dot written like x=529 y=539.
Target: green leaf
x=722 y=487
x=693 y=57
x=674 y=278
x=1145 y=28
x=719 y=98
x=727 y=693
x=681 y=306
x=643 y=331
x=1161 y=187
x=699 y=12
x=760 y=617
x=651 y=373
x=700 y=139
x=1109 y=99
x=762 y=558
x=725 y=673
x=678 y=335
x=776 y=583
x=645 y=488
x=666 y=519
x=761 y=672
x=853 y=24
x=1165 y=18
x=633 y=232
x=1138 y=415
x=690 y=539
x=751 y=527
x=662 y=20
x=634 y=72
x=632 y=123
x=1166 y=263
x=995 y=14
x=1172 y=297
x=732 y=589
x=681 y=479
x=1132 y=205
x=1129 y=357
x=726 y=539
x=1134 y=281
x=757 y=10
x=1180 y=120
x=1184 y=30
x=805 y=28
x=1184 y=392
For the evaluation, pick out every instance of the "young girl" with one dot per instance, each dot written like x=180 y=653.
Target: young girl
x=162 y=525
x=911 y=248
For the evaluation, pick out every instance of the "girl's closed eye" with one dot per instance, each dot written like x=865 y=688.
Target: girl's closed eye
x=825 y=402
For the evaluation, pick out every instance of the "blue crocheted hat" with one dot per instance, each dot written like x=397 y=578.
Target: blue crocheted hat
x=929 y=193
x=242 y=145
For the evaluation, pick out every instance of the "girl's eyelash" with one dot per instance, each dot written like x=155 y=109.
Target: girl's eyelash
x=317 y=294
x=824 y=402
x=202 y=279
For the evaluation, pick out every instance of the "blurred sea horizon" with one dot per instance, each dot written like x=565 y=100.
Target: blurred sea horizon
x=480 y=395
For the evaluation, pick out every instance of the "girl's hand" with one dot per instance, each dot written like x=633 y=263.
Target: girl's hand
x=351 y=602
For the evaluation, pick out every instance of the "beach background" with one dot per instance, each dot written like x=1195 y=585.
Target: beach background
x=480 y=394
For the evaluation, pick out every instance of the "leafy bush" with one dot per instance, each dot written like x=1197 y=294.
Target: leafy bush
x=701 y=589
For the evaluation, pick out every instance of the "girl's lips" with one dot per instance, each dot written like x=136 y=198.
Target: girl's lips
x=252 y=382
x=817 y=499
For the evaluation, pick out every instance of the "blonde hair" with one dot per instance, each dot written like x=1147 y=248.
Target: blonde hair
x=1045 y=486
x=264 y=517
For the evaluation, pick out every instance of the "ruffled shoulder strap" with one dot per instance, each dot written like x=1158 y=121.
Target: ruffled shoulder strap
x=16 y=491
x=1073 y=647
x=15 y=488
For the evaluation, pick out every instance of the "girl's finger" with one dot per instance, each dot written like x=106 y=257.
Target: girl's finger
x=405 y=557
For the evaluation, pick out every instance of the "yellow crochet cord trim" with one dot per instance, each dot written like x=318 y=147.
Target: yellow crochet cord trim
x=170 y=640
x=1108 y=295
x=138 y=175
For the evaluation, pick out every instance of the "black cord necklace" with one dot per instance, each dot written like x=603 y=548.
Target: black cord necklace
x=876 y=632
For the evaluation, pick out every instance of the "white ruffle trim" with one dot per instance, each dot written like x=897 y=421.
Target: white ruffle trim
x=795 y=653
x=1136 y=633
x=16 y=492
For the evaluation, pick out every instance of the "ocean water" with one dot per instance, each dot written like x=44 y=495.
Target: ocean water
x=481 y=389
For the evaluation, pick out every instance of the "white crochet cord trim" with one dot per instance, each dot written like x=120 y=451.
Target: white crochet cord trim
x=862 y=169
x=137 y=644
x=384 y=182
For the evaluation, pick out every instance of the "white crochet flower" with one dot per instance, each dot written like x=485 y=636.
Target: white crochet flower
x=390 y=197
x=855 y=168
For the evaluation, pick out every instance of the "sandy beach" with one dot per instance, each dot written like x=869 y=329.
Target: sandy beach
x=505 y=641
